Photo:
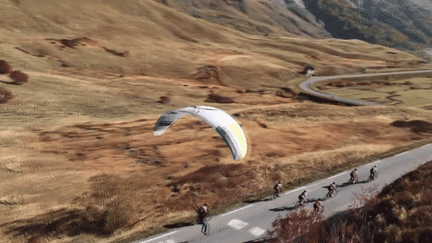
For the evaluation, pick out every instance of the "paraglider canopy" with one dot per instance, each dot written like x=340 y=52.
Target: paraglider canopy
x=220 y=121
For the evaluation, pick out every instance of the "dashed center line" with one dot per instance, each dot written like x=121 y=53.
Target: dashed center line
x=338 y=175
x=169 y=241
x=237 y=224
x=257 y=231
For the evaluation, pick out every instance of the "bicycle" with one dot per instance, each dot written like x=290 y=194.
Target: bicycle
x=331 y=193
x=373 y=176
x=276 y=194
x=353 y=180
x=206 y=218
x=318 y=210
x=300 y=203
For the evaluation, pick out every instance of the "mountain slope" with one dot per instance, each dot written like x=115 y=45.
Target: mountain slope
x=403 y=25
x=265 y=17
x=148 y=38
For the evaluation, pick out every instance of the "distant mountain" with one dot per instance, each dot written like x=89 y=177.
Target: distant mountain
x=264 y=17
x=403 y=24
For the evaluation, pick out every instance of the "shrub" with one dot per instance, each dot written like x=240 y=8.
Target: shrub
x=19 y=77
x=299 y=226
x=212 y=97
x=5 y=95
x=118 y=215
x=5 y=67
x=165 y=99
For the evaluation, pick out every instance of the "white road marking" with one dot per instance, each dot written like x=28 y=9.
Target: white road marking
x=236 y=210
x=257 y=231
x=338 y=175
x=160 y=237
x=237 y=224
x=295 y=190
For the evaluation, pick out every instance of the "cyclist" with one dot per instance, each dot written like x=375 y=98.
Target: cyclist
x=277 y=189
x=332 y=189
x=202 y=212
x=373 y=172
x=353 y=175
x=318 y=206
x=303 y=197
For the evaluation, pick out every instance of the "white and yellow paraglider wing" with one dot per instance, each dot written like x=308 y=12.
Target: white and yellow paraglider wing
x=166 y=120
x=221 y=122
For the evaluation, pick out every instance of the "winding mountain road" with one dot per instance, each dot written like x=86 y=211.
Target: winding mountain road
x=306 y=86
x=251 y=222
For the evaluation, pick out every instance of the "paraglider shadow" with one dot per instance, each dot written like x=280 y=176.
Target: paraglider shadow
x=322 y=199
x=345 y=184
x=179 y=225
x=363 y=181
x=257 y=200
x=279 y=209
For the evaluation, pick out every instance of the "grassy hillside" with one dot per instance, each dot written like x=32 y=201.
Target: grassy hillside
x=159 y=41
x=79 y=160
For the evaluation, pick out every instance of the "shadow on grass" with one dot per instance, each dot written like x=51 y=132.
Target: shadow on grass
x=58 y=223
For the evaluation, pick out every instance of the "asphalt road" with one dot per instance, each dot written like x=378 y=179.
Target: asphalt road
x=306 y=86
x=251 y=222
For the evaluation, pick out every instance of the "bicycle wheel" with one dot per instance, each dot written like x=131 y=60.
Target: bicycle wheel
x=335 y=192
x=299 y=204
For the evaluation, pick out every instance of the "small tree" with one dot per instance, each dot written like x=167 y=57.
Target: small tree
x=19 y=77
x=5 y=95
x=5 y=67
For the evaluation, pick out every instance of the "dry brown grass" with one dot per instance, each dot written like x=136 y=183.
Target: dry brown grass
x=155 y=180
x=78 y=154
